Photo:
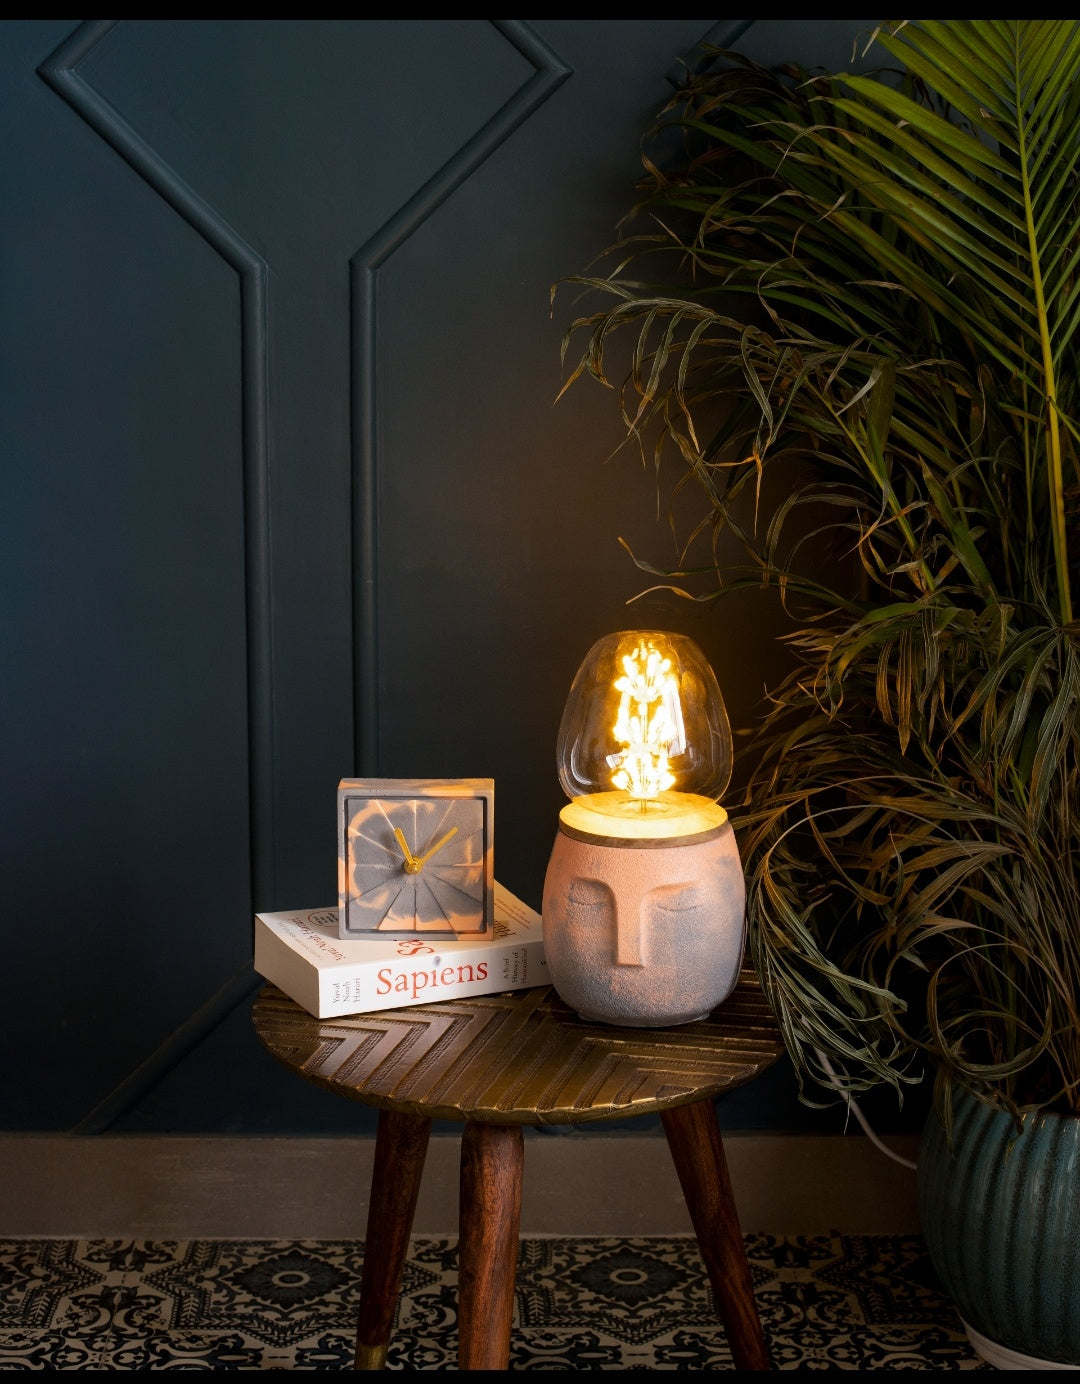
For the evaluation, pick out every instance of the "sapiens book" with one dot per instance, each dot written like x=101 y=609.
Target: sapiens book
x=301 y=953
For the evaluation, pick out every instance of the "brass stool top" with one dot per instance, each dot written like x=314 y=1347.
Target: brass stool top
x=522 y=1057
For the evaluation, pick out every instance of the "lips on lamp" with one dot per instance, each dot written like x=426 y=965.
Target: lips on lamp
x=644 y=898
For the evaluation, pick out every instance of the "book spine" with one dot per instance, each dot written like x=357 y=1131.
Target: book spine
x=430 y=978
x=286 y=967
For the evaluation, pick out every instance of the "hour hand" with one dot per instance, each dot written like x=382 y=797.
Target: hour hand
x=412 y=865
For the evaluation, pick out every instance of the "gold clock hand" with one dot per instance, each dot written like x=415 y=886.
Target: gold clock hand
x=437 y=847
x=412 y=865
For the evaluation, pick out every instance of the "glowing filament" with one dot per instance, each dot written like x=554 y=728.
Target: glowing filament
x=649 y=725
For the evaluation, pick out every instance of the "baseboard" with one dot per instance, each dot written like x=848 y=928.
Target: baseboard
x=133 y=1186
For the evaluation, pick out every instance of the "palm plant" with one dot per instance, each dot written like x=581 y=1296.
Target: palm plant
x=850 y=306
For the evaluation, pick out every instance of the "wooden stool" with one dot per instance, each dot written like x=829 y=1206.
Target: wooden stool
x=524 y=1058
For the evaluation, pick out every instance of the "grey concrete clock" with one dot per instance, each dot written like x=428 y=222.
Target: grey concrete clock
x=415 y=857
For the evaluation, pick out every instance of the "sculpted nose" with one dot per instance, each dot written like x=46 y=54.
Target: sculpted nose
x=628 y=930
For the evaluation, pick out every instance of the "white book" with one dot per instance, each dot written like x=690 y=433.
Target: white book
x=300 y=952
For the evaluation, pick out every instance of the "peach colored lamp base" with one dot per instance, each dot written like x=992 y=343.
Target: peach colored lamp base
x=644 y=933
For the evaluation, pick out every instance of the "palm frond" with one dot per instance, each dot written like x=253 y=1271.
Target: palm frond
x=860 y=294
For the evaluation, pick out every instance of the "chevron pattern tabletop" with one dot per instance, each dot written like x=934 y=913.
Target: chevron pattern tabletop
x=523 y=1057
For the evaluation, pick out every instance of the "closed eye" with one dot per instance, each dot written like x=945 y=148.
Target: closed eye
x=589 y=893
x=678 y=898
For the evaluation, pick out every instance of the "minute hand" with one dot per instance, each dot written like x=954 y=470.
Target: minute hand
x=437 y=847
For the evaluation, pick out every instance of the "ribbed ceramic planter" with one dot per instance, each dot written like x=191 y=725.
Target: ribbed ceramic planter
x=1001 y=1217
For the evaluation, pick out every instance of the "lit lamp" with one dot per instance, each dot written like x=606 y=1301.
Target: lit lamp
x=644 y=896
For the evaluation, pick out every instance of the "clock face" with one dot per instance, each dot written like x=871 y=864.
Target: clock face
x=415 y=857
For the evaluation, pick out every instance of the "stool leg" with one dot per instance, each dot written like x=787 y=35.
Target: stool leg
x=693 y=1136
x=400 y=1148
x=492 y=1161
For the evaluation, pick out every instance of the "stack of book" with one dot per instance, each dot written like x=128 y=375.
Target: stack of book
x=300 y=952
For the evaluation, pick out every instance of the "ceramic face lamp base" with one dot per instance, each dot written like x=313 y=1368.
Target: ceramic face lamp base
x=647 y=932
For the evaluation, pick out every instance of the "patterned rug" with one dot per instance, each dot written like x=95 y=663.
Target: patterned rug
x=826 y=1302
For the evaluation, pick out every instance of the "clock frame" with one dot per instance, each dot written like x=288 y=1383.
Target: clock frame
x=415 y=857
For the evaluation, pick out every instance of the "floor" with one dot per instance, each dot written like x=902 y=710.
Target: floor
x=827 y=1302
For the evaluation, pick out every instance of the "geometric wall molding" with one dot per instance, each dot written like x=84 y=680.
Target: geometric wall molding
x=549 y=74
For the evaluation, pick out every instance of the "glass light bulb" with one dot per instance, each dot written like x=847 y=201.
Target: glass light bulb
x=644 y=733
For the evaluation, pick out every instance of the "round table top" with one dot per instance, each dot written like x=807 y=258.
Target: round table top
x=521 y=1057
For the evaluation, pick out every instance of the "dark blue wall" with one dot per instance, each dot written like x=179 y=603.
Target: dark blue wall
x=287 y=497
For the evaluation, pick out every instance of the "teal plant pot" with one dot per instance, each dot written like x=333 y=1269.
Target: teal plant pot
x=1001 y=1217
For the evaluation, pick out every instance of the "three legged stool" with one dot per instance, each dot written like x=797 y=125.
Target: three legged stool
x=498 y=1063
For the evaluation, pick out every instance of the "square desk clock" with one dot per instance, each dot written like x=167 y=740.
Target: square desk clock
x=415 y=857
